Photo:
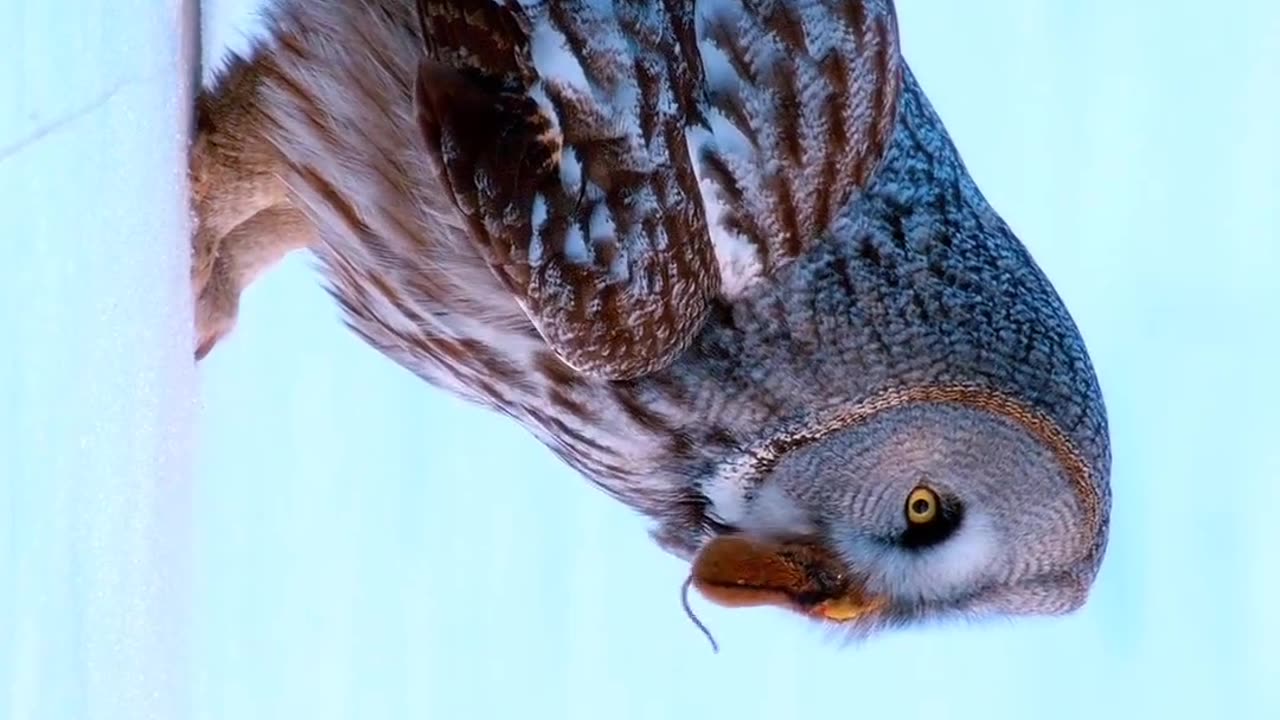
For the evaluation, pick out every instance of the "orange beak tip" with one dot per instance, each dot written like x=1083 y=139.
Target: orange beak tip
x=845 y=609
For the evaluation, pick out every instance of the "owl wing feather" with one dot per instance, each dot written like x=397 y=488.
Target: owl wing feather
x=803 y=96
x=579 y=190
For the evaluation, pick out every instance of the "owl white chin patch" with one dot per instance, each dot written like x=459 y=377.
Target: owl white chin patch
x=764 y=511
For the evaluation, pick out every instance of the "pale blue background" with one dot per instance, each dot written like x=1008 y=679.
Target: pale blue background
x=300 y=529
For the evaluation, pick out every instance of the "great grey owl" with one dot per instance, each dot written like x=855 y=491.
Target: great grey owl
x=720 y=256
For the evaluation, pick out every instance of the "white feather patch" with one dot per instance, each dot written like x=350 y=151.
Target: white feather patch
x=553 y=60
x=537 y=249
x=575 y=246
x=570 y=168
x=737 y=258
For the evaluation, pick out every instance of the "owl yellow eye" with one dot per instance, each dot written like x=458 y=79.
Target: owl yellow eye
x=922 y=506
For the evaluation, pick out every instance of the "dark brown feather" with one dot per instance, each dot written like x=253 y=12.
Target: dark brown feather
x=632 y=298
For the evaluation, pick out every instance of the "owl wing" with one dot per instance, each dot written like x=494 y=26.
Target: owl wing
x=578 y=186
x=803 y=96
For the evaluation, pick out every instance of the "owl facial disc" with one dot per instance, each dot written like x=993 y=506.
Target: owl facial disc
x=802 y=576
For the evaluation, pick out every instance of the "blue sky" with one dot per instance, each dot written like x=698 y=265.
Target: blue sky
x=301 y=529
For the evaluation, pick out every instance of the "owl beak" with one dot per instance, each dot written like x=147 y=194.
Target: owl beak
x=802 y=576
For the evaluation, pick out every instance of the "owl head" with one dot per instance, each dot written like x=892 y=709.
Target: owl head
x=918 y=505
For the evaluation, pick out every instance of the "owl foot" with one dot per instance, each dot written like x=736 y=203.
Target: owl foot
x=223 y=268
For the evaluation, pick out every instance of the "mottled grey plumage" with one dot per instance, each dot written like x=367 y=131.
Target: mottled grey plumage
x=883 y=329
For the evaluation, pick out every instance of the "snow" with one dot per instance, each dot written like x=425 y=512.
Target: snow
x=347 y=542
x=97 y=384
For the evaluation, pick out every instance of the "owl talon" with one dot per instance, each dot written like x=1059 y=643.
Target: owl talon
x=217 y=302
x=206 y=345
x=215 y=317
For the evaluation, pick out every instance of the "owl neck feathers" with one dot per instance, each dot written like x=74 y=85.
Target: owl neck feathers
x=922 y=174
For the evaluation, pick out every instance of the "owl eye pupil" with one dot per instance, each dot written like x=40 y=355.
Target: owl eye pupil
x=929 y=519
x=922 y=506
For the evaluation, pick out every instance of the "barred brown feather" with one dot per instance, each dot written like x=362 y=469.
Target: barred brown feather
x=812 y=88
x=612 y=263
